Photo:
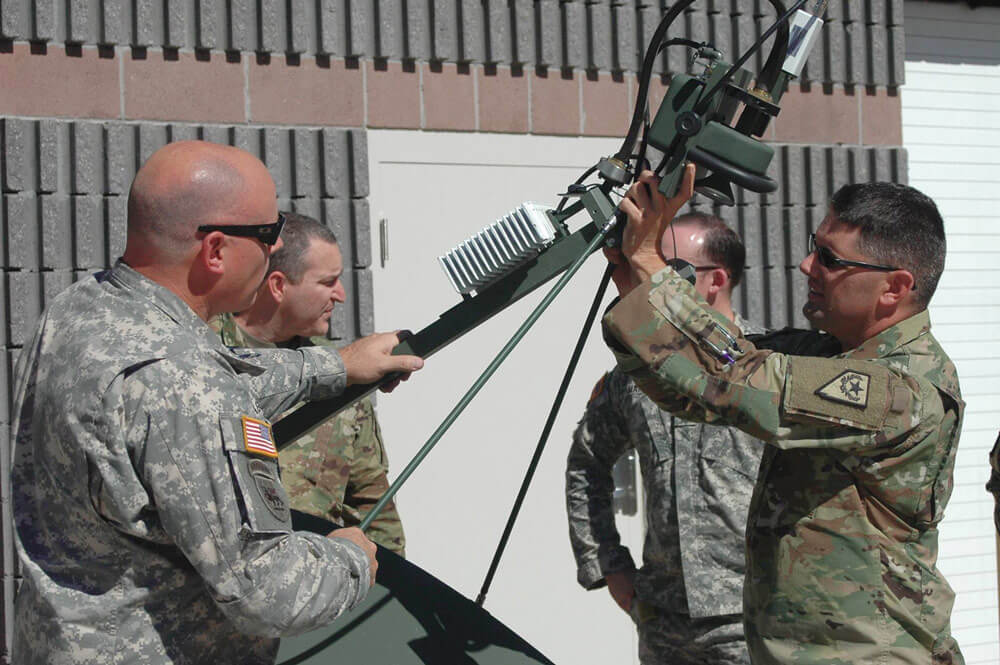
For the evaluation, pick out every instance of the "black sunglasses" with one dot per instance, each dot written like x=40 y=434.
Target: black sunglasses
x=266 y=233
x=828 y=259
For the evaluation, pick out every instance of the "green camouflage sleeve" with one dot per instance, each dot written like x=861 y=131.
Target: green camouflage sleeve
x=314 y=469
x=338 y=472
x=694 y=363
x=368 y=482
x=598 y=442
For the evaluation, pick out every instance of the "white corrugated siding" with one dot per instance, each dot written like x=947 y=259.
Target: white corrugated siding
x=951 y=128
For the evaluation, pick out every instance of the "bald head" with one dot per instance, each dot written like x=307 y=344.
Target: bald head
x=184 y=185
x=715 y=251
x=704 y=239
x=188 y=184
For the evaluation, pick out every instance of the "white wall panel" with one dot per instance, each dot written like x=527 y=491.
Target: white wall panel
x=436 y=190
x=951 y=129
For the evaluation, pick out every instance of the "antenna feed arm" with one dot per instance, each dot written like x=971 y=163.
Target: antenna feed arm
x=691 y=127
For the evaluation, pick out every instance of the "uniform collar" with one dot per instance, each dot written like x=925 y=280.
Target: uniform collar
x=894 y=337
x=234 y=335
x=128 y=279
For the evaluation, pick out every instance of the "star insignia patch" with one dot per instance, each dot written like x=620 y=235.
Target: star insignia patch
x=849 y=388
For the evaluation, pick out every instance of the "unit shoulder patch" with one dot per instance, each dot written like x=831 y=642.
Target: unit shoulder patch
x=849 y=388
x=269 y=488
x=855 y=393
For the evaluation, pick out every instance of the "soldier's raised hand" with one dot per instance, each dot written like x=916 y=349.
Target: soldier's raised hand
x=649 y=213
x=370 y=358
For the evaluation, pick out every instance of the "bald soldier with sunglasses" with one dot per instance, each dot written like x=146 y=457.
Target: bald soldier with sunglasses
x=842 y=538
x=151 y=523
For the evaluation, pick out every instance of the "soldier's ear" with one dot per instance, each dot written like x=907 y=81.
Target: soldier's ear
x=276 y=283
x=211 y=252
x=719 y=280
x=899 y=285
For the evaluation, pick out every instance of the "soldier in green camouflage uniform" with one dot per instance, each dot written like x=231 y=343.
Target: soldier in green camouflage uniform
x=687 y=598
x=150 y=521
x=842 y=539
x=338 y=470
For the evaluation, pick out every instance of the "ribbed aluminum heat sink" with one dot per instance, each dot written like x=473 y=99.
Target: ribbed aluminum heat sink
x=491 y=253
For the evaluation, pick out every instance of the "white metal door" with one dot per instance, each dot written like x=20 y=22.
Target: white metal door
x=435 y=190
x=951 y=129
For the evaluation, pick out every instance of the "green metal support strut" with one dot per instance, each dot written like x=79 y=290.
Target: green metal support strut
x=595 y=242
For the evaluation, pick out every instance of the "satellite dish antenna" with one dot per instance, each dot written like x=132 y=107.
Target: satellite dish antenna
x=409 y=618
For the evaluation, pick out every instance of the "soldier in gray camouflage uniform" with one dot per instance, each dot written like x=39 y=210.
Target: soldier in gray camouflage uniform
x=687 y=598
x=338 y=470
x=842 y=539
x=150 y=522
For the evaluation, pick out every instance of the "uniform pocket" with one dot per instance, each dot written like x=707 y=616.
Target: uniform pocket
x=660 y=426
x=732 y=448
x=263 y=500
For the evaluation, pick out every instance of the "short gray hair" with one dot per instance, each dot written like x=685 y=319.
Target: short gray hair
x=296 y=236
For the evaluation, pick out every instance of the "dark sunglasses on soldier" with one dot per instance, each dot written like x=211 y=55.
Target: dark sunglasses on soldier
x=829 y=260
x=266 y=233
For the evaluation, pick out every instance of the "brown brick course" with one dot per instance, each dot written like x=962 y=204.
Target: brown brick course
x=186 y=89
x=55 y=84
x=881 y=117
x=393 y=96
x=817 y=116
x=211 y=87
x=328 y=92
x=503 y=100
x=607 y=105
x=555 y=102
x=449 y=96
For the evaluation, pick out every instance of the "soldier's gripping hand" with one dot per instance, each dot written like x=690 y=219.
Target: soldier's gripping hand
x=649 y=213
x=357 y=536
x=370 y=358
x=622 y=274
x=621 y=588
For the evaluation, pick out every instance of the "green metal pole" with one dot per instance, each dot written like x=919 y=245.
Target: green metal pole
x=485 y=376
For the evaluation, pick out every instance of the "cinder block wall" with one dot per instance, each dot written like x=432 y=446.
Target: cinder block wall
x=90 y=88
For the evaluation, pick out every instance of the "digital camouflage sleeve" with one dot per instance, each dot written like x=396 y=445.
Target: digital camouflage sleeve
x=601 y=437
x=842 y=541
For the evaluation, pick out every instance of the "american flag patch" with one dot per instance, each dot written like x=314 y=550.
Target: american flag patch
x=257 y=437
